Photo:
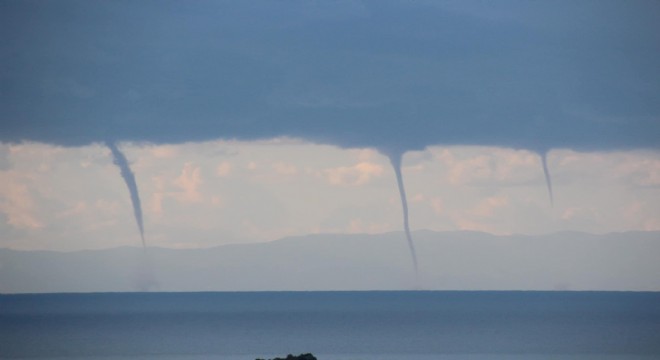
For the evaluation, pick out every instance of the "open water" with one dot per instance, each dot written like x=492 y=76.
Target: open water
x=332 y=325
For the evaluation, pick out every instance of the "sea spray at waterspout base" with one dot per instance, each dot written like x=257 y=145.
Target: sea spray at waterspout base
x=145 y=280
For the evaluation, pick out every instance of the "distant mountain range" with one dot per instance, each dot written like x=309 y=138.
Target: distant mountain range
x=628 y=261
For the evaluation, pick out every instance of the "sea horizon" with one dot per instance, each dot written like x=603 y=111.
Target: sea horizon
x=336 y=325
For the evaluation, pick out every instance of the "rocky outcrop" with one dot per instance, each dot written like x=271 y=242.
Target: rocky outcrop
x=293 y=357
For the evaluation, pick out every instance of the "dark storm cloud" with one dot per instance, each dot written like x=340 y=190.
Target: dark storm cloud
x=392 y=75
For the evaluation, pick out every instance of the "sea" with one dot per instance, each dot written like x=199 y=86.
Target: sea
x=341 y=325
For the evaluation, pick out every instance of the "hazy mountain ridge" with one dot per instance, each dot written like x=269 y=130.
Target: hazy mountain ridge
x=448 y=260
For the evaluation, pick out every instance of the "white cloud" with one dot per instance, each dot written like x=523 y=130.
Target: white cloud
x=366 y=155
x=417 y=198
x=156 y=204
x=76 y=210
x=216 y=201
x=493 y=166
x=16 y=201
x=486 y=215
x=437 y=205
x=516 y=166
x=586 y=213
x=189 y=182
x=651 y=224
x=223 y=169
x=164 y=151
x=467 y=224
x=5 y=163
x=286 y=169
x=71 y=198
x=487 y=207
x=357 y=175
x=103 y=205
x=639 y=171
x=470 y=170
x=361 y=226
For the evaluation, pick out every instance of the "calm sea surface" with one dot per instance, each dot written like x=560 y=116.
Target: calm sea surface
x=332 y=325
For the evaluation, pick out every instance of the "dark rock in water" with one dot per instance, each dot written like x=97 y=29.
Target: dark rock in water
x=299 y=357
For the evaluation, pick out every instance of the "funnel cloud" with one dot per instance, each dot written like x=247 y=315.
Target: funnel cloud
x=395 y=160
x=548 y=180
x=119 y=159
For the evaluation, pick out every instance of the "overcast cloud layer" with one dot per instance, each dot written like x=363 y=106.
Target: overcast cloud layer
x=392 y=75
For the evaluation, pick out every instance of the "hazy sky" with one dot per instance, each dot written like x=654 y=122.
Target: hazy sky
x=314 y=94
x=212 y=193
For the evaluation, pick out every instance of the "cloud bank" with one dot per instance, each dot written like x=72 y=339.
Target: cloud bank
x=390 y=75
